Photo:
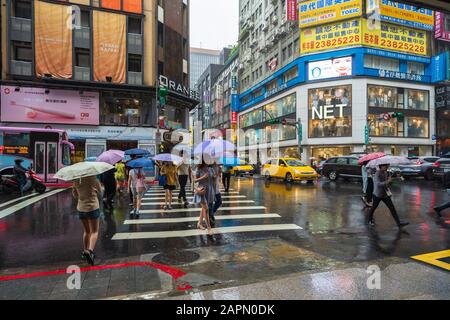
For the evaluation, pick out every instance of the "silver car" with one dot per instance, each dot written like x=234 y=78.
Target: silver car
x=421 y=167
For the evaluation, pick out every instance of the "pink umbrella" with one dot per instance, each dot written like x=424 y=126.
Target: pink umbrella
x=111 y=156
x=369 y=157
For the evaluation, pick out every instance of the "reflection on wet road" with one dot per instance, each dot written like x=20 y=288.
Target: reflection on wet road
x=261 y=227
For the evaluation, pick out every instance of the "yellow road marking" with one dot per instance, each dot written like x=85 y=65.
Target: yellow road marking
x=433 y=259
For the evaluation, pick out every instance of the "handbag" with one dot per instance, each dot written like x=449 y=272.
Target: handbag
x=200 y=191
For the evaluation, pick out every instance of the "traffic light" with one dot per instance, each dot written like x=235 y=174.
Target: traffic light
x=162 y=94
x=398 y=115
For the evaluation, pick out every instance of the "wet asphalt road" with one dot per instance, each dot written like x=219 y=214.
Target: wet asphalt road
x=330 y=214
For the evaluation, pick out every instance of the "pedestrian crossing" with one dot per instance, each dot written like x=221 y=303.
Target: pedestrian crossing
x=236 y=215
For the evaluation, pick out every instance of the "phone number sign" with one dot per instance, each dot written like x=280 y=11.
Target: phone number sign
x=358 y=32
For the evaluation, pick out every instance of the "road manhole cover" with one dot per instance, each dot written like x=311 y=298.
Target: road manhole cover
x=176 y=257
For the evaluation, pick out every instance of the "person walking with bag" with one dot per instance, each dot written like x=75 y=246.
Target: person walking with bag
x=170 y=171
x=202 y=177
x=87 y=192
x=184 y=173
x=136 y=181
x=367 y=176
x=382 y=181
x=109 y=182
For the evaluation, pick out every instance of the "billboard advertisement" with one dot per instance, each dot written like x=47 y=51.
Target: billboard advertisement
x=291 y=8
x=315 y=12
x=402 y=13
x=53 y=40
x=109 y=47
x=40 y=105
x=359 y=32
x=394 y=37
x=331 y=68
x=439 y=27
x=331 y=36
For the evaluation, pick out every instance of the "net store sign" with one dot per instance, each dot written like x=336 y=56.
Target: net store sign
x=328 y=111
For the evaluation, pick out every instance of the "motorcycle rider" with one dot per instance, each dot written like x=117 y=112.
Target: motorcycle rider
x=20 y=174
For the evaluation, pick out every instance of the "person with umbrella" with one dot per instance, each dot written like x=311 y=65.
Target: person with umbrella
x=87 y=191
x=170 y=171
x=382 y=181
x=184 y=173
x=136 y=181
x=108 y=178
x=203 y=195
x=367 y=176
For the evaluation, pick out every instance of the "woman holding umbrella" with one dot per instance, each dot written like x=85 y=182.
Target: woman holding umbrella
x=136 y=181
x=170 y=171
x=381 y=192
x=203 y=196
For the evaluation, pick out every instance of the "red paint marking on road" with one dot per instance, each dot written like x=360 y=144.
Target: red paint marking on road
x=3 y=226
x=173 y=272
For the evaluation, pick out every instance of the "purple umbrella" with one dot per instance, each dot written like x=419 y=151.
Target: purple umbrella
x=111 y=156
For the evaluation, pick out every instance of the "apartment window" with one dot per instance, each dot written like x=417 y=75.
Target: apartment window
x=86 y=19
x=160 y=34
x=22 y=9
x=134 y=25
x=160 y=67
x=297 y=46
x=416 y=68
x=134 y=63
x=376 y=62
x=283 y=54
x=447 y=23
x=22 y=52
x=290 y=50
x=82 y=58
x=291 y=74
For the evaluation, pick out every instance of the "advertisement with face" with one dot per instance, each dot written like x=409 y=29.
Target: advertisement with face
x=332 y=68
x=40 y=105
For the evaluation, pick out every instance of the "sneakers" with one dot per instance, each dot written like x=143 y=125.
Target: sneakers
x=90 y=258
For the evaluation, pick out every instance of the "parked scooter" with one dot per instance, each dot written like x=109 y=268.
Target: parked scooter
x=10 y=184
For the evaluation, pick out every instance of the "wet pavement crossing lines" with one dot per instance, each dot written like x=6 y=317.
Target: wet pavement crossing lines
x=223 y=197
x=193 y=219
x=26 y=203
x=17 y=200
x=197 y=232
x=199 y=209
x=181 y=204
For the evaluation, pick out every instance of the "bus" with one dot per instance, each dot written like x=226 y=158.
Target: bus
x=46 y=150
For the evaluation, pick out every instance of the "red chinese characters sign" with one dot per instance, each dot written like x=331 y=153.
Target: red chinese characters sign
x=291 y=7
x=233 y=117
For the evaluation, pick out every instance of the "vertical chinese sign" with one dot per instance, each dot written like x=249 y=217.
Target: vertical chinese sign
x=291 y=7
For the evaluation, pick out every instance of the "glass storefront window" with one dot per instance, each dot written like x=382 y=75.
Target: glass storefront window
x=121 y=110
x=330 y=112
x=417 y=99
x=443 y=123
x=280 y=132
x=381 y=128
x=251 y=118
x=282 y=107
x=383 y=97
x=416 y=127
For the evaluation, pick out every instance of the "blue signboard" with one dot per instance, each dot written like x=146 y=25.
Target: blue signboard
x=439 y=65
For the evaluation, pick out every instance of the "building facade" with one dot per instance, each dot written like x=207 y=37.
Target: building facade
x=348 y=79
x=99 y=62
x=200 y=59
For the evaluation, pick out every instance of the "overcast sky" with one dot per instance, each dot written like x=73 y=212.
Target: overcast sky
x=214 y=23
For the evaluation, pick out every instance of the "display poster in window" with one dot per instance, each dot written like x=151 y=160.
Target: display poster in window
x=94 y=150
x=402 y=13
x=53 y=40
x=331 y=68
x=316 y=12
x=109 y=47
x=40 y=105
x=330 y=112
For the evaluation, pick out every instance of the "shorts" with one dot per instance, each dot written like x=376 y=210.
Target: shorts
x=169 y=187
x=89 y=215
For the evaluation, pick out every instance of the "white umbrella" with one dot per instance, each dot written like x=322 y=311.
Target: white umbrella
x=391 y=160
x=82 y=169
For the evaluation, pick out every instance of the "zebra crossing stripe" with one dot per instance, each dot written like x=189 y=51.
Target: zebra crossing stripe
x=190 y=197
x=180 y=204
x=197 y=232
x=193 y=219
x=199 y=209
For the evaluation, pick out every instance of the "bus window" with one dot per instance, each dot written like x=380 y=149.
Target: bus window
x=16 y=144
x=65 y=155
x=52 y=157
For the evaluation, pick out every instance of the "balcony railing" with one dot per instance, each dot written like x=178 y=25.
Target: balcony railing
x=82 y=73
x=135 y=43
x=20 y=29
x=21 y=68
x=82 y=37
x=134 y=78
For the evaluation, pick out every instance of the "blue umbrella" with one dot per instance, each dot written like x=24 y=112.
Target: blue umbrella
x=137 y=152
x=140 y=163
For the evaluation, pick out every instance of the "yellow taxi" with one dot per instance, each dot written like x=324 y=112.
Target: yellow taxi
x=289 y=169
x=242 y=169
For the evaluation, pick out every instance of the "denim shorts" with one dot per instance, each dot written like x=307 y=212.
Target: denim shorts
x=89 y=215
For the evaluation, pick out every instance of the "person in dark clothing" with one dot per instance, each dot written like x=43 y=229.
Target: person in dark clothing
x=445 y=205
x=20 y=174
x=109 y=181
x=226 y=177
x=381 y=192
